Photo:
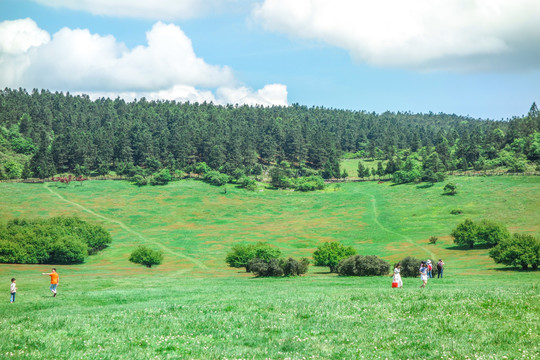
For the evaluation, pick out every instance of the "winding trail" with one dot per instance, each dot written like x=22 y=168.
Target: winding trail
x=128 y=229
x=384 y=228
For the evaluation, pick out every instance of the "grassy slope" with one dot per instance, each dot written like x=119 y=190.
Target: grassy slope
x=193 y=306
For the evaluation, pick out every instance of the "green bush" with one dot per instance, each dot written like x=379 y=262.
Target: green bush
x=485 y=232
x=161 y=178
x=241 y=254
x=292 y=267
x=450 y=189
x=58 y=240
x=139 y=180
x=278 y=267
x=433 y=240
x=248 y=183
x=146 y=256
x=216 y=178
x=266 y=268
x=359 y=265
x=331 y=253
x=456 y=212
x=519 y=250
x=410 y=266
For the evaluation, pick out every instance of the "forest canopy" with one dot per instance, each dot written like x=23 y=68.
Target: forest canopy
x=44 y=133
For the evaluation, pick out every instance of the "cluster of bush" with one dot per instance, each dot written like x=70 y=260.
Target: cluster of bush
x=359 y=265
x=57 y=240
x=513 y=250
x=284 y=177
x=264 y=260
x=345 y=261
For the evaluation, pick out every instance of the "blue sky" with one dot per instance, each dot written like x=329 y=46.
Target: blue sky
x=477 y=57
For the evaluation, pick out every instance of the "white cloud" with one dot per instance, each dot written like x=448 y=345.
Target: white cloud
x=272 y=94
x=422 y=34
x=153 y=10
x=78 y=61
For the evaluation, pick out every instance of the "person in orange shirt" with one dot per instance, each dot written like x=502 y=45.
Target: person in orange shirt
x=54 y=280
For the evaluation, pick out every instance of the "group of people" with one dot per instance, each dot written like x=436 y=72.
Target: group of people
x=426 y=271
x=54 y=284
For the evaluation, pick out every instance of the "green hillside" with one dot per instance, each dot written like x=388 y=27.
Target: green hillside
x=194 y=306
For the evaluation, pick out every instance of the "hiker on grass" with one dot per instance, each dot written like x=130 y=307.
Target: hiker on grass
x=423 y=274
x=440 y=267
x=54 y=280
x=429 y=269
x=13 y=289
x=397 y=275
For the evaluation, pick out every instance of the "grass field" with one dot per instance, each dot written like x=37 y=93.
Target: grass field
x=194 y=306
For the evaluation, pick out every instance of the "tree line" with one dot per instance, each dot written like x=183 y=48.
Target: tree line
x=44 y=133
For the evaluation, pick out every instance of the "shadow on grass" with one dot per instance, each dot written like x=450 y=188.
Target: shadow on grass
x=515 y=269
x=424 y=186
x=476 y=247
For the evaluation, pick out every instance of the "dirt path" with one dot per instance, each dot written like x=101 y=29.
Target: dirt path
x=129 y=230
x=384 y=228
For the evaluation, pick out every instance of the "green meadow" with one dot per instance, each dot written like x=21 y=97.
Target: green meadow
x=194 y=307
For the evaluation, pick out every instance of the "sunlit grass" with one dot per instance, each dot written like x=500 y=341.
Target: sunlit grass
x=194 y=306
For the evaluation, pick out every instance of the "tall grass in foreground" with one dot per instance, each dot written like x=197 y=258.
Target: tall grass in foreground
x=310 y=317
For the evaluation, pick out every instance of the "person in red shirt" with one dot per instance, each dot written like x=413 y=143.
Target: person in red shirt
x=54 y=280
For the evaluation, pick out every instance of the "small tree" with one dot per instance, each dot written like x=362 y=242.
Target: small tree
x=146 y=256
x=466 y=233
x=519 y=250
x=450 y=189
x=331 y=253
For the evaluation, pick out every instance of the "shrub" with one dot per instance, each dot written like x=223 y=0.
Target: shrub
x=450 y=189
x=161 y=178
x=216 y=178
x=58 y=240
x=68 y=250
x=309 y=183
x=241 y=254
x=519 y=250
x=265 y=268
x=456 y=212
x=331 y=253
x=292 y=267
x=359 y=265
x=248 y=183
x=433 y=240
x=278 y=267
x=485 y=232
x=139 y=180
x=146 y=256
x=410 y=266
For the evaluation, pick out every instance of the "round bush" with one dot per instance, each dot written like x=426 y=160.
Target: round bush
x=410 y=266
x=359 y=265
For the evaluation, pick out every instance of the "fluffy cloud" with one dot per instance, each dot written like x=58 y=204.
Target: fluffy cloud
x=78 y=61
x=144 y=9
x=458 y=35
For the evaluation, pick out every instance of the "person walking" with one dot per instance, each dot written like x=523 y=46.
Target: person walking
x=13 y=289
x=440 y=267
x=397 y=275
x=54 y=280
x=423 y=274
x=429 y=269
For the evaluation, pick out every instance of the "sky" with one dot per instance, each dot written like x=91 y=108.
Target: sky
x=477 y=58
